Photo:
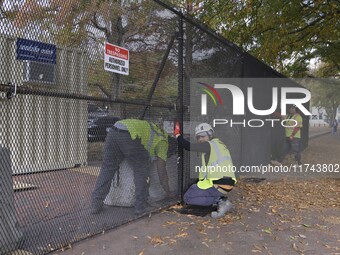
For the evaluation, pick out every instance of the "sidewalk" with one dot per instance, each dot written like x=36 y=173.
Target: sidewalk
x=266 y=220
x=282 y=216
x=318 y=131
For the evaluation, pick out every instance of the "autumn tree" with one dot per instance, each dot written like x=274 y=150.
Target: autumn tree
x=136 y=25
x=326 y=91
x=326 y=94
x=283 y=34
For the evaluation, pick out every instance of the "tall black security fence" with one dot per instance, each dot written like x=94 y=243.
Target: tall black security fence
x=209 y=56
x=58 y=104
x=59 y=100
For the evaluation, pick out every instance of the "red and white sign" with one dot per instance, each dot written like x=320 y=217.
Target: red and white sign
x=116 y=59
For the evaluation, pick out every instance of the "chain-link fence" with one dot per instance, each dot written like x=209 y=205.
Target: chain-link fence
x=59 y=105
x=209 y=57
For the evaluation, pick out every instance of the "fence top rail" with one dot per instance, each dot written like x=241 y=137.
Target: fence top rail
x=24 y=90
x=212 y=33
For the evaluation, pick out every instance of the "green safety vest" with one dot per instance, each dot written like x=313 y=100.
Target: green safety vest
x=220 y=164
x=289 y=130
x=154 y=140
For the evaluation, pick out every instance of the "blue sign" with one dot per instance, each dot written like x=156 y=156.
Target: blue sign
x=36 y=51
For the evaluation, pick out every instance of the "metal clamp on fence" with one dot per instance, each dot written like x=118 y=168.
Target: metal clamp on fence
x=12 y=91
x=178 y=160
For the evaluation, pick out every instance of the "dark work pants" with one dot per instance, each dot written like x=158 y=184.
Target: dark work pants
x=203 y=197
x=291 y=145
x=120 y=146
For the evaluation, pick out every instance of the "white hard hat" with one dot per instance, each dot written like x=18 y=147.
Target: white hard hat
x=204 y=128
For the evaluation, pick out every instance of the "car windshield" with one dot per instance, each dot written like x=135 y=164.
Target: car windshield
x=94 y=108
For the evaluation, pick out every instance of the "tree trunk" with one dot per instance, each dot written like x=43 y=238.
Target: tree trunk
x=116 y=36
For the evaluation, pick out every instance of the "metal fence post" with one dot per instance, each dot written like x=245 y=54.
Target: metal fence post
x=180 y=112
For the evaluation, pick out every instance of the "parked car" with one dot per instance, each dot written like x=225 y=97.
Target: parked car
x=94 y=111
x=98 y=128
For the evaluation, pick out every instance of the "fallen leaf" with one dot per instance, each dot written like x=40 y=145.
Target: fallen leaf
x=156 y=240
x=176 y=207
x=257 y=247
x=183 y=234
x=296 y=248
x=172 y=241
x=267 y=230
x=205 y=244
x=171 y=222
x=202 y=231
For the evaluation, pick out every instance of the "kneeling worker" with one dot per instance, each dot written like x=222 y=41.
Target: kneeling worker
x=213 y=186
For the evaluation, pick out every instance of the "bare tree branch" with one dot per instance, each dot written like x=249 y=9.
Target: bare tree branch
x=95 y=23
x=314 y=22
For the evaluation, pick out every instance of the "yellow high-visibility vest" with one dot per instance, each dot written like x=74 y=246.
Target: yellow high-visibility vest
x=289 y=130
x=220 y=165
x=154 y=140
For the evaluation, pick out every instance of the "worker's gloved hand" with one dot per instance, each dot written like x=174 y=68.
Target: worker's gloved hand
x=177 y=130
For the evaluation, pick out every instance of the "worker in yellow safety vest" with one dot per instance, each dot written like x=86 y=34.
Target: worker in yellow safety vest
x=140 y=142
x=293 y=123
x=216 y=176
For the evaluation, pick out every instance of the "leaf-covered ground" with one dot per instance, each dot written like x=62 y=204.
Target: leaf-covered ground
x=284 y=214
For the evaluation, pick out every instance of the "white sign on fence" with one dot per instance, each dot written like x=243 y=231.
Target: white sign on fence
x=116 y=59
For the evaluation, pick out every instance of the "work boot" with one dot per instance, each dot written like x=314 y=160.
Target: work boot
x=139 y=211
x=224 y=206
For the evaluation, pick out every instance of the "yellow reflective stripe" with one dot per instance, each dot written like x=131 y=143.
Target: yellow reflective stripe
x=218 y=152
x=152 y=136
x=220 y=160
